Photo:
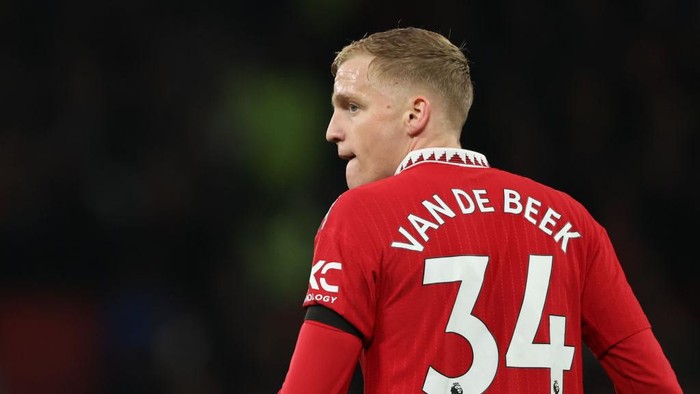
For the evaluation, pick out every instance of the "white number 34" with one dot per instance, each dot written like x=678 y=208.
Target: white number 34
x=522 y=351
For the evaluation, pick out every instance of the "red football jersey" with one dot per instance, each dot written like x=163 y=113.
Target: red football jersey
x=464 y=278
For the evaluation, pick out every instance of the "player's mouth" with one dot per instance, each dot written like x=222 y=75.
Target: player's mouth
x=346 y=156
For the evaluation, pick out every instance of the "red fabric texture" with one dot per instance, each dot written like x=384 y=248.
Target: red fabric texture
x=637 y=364
x=323 y=362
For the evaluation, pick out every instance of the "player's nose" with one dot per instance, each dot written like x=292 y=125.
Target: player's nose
x=334 y=133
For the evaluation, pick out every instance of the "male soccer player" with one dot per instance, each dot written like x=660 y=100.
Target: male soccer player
x=442 y=274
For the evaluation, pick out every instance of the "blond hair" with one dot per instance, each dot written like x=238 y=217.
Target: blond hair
x=420 y=57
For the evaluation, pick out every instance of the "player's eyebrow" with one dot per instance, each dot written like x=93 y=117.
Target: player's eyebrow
x=339 y=99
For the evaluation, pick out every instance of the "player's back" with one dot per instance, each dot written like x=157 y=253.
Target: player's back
x=470 y=279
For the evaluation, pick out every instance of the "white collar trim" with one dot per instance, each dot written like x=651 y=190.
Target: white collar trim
x=460 y=157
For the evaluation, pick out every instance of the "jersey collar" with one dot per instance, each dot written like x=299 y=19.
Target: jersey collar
x=460 y=157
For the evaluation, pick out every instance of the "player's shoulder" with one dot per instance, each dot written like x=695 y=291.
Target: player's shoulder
x=376 y=192
x=362 y=201
x=540 y=190
x=356 y=198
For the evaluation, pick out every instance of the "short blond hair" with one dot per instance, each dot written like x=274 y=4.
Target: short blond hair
x=421 y=57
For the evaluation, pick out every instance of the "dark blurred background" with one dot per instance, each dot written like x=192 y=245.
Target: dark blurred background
x=163 y=170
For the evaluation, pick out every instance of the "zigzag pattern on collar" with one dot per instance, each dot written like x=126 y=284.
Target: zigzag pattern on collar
x=443 y=155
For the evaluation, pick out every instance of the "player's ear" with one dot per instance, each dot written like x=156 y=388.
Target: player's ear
x=417 y=115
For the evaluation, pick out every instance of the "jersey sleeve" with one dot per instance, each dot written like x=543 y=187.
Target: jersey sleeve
x=323 y=362
x=345 y=267
x=610 y=310
x=637 y=364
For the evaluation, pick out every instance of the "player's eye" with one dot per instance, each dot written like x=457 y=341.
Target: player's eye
x=353 y=107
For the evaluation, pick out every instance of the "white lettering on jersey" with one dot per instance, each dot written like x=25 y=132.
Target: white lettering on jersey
x=421 y=225
x=477 y=201
x=324 y=267
x=461 y=197
x=564 y=234
x=319 y=297
x=441 y=208
x=512 y=204
x=413 y=245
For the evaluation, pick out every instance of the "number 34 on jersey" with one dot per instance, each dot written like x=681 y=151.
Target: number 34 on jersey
x=522 y=351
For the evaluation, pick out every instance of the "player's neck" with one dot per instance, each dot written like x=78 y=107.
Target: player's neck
x=442 y=141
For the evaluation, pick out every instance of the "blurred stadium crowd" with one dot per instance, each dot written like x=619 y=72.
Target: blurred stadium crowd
x=163 y=170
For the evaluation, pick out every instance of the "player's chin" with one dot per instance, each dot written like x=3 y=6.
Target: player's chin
x=352 y=181
x=356 y=177
x=353 y=175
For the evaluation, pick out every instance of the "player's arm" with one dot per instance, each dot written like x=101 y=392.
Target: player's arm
x=325 y=355
x=637 y=364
